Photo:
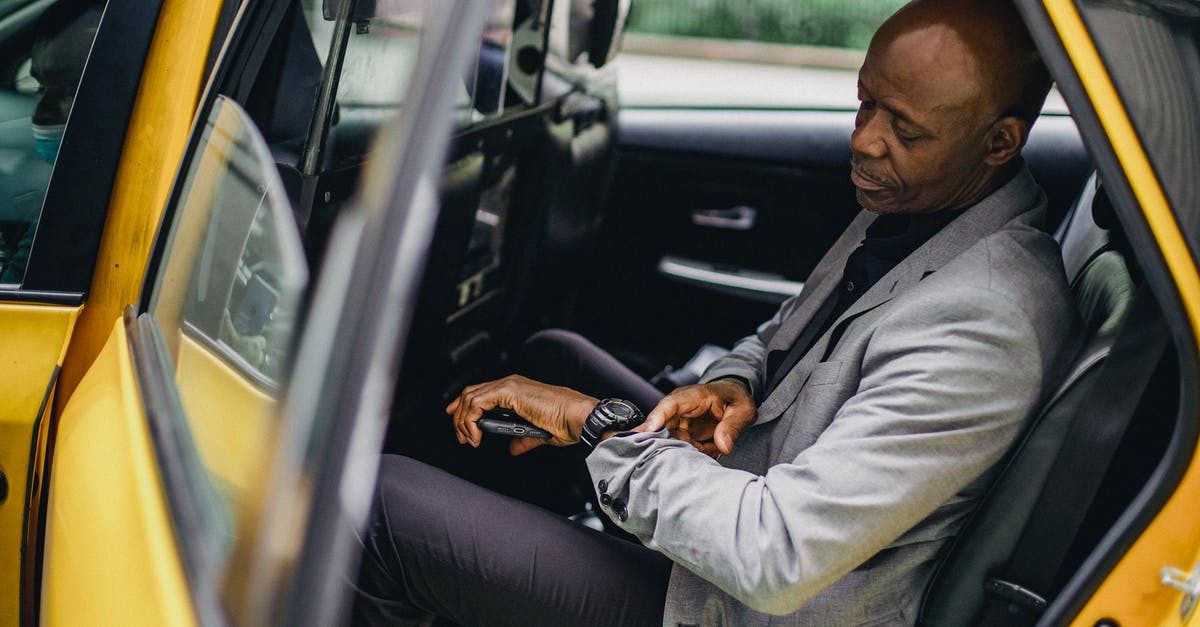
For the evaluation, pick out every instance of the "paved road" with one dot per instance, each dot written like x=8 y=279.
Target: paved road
x=648 y=81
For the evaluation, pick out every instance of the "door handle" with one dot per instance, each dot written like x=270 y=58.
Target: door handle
x=739 y=218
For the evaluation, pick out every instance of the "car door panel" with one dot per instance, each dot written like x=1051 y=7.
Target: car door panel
x=723 y=213
x=32 y=358
x=111 y=555
x=703 y=198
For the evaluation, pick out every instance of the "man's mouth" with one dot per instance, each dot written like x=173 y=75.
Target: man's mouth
x=865 y=182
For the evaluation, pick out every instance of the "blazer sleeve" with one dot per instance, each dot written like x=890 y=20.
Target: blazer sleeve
x=943 y=393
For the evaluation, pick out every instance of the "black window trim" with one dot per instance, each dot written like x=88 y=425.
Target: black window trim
x=193 y=523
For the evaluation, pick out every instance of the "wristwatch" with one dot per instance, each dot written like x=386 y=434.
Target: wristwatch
x=610 y=414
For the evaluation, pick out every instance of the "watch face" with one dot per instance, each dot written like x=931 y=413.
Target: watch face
x=620 y=410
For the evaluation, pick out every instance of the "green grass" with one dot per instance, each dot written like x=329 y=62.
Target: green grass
x=837 y=23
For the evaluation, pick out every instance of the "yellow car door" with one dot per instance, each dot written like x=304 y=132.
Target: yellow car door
x=67 y=100
x=214 y=459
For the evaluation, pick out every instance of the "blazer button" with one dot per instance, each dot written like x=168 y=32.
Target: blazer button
x=605 y=499
x=602 y=486
x=622 y=514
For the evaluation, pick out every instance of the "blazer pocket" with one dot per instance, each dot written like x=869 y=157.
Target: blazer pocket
x=825 y=373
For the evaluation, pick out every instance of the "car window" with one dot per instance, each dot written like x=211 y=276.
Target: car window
x=757 y=53
x=45 y=46
x=382 y=47
x=225 y=301
x=1152 y=49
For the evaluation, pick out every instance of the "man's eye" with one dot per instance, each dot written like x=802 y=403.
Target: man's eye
x=907 y=137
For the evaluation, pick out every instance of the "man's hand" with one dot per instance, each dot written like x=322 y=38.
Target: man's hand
x=559 y=410
x=711 y=416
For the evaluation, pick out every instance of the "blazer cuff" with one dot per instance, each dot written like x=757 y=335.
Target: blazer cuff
x=611 y=466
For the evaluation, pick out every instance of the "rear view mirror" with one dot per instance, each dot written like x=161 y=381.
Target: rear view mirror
x=604 y=33
x=591 y=27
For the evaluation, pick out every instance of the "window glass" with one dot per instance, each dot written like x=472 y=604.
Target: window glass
x=750 y=53
x=819 y=23
x=1152 y=50
x=758 y=53
x=225 y=301
x=491 y=70
x=382 y=51
x=37 y=90
x=380 y=54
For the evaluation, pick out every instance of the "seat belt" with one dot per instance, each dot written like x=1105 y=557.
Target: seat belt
x=1022 y=593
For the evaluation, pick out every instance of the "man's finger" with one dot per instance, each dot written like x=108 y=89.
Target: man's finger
x=724 y=440
x=473 y=403
x=708 y=447
x=666 y=409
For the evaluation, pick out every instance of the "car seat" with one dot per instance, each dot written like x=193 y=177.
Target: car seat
x=1103 y=285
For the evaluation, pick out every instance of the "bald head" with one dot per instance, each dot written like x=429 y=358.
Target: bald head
x=988 y=38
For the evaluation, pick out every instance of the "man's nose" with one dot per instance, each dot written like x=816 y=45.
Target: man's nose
x=867 y=138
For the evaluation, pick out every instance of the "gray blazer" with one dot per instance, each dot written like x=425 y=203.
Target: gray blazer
x=868 y=455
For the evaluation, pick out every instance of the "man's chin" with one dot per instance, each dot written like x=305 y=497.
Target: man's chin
x=874 y=201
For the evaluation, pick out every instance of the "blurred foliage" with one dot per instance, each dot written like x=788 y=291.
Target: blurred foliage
x=837 y=23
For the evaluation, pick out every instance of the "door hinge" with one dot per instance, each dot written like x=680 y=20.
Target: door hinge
x=1188 y=583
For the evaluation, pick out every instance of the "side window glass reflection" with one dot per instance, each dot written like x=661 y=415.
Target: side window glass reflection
x=226 y=299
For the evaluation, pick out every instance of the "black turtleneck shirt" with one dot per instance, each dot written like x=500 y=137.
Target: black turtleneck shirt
x=888 y=240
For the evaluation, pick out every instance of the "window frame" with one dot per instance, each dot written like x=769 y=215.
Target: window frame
x=75 y=207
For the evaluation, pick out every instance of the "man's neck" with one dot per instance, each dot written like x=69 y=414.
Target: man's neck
x=998 y=178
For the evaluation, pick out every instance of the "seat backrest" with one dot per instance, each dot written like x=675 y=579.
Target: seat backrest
x=1103 y=289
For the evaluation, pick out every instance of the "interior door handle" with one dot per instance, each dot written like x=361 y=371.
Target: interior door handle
x=739 y=218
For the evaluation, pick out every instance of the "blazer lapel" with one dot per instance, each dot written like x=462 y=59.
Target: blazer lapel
x=1018 y=196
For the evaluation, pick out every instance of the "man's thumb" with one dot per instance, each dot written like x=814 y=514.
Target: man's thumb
x=725 y=434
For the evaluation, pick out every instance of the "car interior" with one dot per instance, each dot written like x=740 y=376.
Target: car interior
x=659 y=232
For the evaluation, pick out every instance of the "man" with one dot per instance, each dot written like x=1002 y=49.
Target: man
x=854 y=430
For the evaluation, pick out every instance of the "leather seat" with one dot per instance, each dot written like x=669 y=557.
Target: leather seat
x=1103 y=286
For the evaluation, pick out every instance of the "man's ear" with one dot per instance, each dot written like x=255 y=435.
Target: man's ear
x=1005 y=140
